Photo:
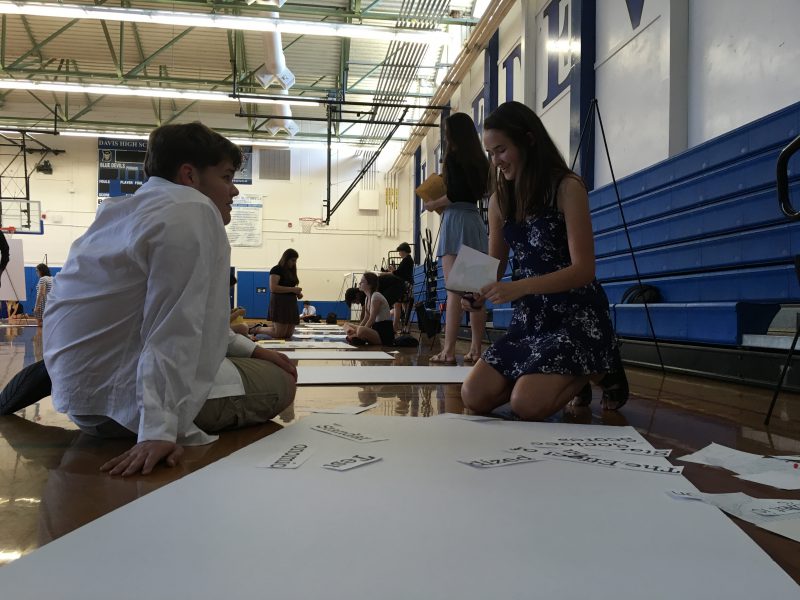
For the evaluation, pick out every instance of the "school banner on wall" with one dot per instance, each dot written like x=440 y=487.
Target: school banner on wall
x=246 y=222
x=121 y=166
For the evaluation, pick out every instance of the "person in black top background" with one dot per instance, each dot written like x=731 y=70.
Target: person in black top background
x=466 y=177
x=405 y=271
x=5 y=255
x=284 y=294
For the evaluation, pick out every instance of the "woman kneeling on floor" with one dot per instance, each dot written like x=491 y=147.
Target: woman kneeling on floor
x=560 y=336
x=376 y=326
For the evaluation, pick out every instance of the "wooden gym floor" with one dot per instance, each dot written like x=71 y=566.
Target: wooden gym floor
x=50 y=483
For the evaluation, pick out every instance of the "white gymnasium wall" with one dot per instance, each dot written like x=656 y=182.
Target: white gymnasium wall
x=353 y=242
x=633 y=87
x=743 y=59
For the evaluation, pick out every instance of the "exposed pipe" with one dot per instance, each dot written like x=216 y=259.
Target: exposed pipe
x=282 y=120
x=275 y=71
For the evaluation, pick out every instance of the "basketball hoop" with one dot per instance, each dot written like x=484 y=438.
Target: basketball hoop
x=8 y=230
x=307 y=223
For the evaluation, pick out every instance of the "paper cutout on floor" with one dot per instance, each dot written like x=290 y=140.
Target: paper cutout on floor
x=778 y=516
x=784 y=480
x=793 y=458
x=339 y=431
x=625 y=445
x=596 y=460
x=291 y=458
x=741 y=463
x=471 y=271
x=497 y=461
x=352 y=462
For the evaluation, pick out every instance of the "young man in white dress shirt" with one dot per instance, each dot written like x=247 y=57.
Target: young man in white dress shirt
x=137 y=339
x=309 y=314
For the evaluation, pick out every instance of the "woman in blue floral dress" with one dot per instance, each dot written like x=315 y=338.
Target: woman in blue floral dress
x=560 y=336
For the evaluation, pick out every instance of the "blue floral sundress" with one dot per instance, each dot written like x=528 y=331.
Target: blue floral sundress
x=568 y=333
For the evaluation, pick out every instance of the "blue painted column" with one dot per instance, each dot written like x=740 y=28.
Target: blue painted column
x=417 y=204
x=490 y=76
x=582 y=85
x=442 y=139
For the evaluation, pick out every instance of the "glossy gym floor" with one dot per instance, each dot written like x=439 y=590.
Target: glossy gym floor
x=50 y=483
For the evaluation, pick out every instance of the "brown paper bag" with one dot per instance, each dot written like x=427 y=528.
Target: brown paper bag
x=432 y=188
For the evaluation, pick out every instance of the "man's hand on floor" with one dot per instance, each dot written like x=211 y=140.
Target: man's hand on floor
x=143 y=457
x=277 y=358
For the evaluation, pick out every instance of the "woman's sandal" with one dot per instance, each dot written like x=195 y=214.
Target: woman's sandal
x=472 y=358
x=441 y=359
x=254 y=329
x=584 y=397
x=615 y=390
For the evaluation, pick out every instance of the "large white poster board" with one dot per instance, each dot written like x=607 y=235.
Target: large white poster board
x=246 y=222
x=12 y=282
x=415 y=524
x=368 y=374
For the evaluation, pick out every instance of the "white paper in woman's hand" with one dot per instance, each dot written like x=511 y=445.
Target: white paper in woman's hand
x=472 y=270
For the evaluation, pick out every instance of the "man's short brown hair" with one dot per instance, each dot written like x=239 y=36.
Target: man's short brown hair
x=170 y=146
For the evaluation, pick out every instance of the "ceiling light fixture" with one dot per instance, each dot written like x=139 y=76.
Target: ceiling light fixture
x=217 y=21
x=142 y=92
x=277 y=143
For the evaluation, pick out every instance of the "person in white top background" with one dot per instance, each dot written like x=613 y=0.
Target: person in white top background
x=376 y=326
x=136 y=329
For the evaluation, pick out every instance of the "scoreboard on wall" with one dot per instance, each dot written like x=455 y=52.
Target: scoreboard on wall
x=121 y=166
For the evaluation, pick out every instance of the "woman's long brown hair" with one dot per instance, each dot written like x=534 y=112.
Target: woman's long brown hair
x=535 y=187
x=463 y=144
x=287 y=255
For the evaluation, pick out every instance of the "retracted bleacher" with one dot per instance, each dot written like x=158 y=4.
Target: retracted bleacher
x=708 y=232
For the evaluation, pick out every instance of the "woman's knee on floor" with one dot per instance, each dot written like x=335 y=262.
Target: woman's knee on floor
x=532 y=407
x=477 y=396
x=536 y=399
x=532 y=404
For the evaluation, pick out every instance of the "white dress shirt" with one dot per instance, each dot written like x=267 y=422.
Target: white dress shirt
x=309 y=311
x=136 y=326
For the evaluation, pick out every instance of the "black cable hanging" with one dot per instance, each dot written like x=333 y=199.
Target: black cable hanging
x=594 y=109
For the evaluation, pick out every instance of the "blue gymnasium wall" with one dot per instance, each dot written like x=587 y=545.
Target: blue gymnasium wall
x=707 y=232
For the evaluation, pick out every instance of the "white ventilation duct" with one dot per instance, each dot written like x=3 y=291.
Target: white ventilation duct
x=285 y=123
x=275 y=71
